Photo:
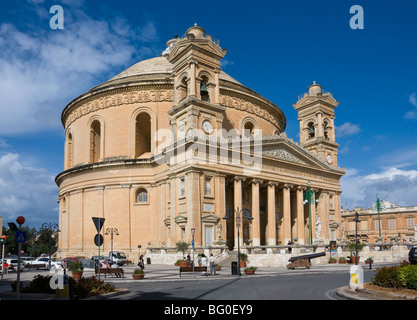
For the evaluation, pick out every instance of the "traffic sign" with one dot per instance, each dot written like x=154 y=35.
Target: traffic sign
x=98 y=222
x=20 y=236
x=98 y=240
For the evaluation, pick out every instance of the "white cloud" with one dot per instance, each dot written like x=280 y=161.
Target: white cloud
x=347 y=129
x=41 y=70
x=412 y=114
x=26 y=191
x=392 y=184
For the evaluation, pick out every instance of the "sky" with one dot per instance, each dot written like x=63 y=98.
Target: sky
x=276 y=48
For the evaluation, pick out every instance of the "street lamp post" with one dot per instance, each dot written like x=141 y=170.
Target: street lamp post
x=379 y=207
x=50 y=227
x=112 y=231
x=239 y=215
x=356 y=236
x=310 y=197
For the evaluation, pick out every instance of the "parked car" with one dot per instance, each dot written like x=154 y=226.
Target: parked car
x=43 y=262
x=412 y=255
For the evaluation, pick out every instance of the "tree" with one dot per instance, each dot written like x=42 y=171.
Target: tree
x=182 y=246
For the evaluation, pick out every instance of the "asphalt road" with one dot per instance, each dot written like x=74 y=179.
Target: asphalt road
x=289 y=286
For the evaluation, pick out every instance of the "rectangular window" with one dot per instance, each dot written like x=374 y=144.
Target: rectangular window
x=392 y=224
x=207 y=186
x=410 y=223
x=182 y=187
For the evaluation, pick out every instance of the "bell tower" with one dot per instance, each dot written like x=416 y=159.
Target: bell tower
x=316 y=114
x=196 y=69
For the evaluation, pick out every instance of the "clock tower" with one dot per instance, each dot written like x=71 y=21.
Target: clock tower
x=196 y=69
x=316 y=114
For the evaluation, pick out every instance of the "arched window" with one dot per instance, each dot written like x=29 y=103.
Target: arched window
x=69 y=150
x=248 y=129
x=326 y=130
x=311 y=130
x=143 y=141
x=204 y=93
x=142 y=196
x=183 y=89
x=95 y=141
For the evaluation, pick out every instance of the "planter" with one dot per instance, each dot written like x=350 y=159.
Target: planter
x=218 y=268
x=369 y=261
x=342 y=261
x=77 y=275
x=184 y=263
x=354 y=259
x=242 y=264
x=249 y=271
x=332 y=261
x=138 y=276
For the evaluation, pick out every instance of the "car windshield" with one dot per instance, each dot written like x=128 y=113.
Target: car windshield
x=121 y=255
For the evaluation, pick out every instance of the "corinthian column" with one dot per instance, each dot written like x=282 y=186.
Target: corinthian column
x=300 y=216
x=256 y=222
x=286 y=213
x=238 y=207
x=271 y=227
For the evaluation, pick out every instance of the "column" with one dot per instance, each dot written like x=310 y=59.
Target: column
x=192 y=83
x=286 y=213
x=256 y=222
x=300 y=216
x=238 y=207
x=271 y=227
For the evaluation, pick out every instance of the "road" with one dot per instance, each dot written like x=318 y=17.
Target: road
x=291 y=286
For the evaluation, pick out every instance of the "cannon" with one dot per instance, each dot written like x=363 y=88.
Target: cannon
x=304 y=260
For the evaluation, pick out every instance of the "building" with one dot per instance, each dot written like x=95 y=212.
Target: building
x=391 y=223
x=171 y=143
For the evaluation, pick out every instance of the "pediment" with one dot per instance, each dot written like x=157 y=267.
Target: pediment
x=283 y=150
x=202 y=48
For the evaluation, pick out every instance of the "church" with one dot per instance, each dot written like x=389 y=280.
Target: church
x=174 y=149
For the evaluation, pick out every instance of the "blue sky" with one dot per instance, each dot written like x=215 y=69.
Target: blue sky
x=277 y=48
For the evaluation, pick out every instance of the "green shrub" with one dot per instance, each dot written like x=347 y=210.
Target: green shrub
x=408 y=276
x=387 y=277
x=39 y=284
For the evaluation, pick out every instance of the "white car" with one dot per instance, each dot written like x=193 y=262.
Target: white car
x=43 y=262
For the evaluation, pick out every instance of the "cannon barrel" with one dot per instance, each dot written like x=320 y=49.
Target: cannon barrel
x=308 y=256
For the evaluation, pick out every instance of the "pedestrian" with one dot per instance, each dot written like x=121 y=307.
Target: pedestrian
x=212 y=261
x=204 y=264
x=141 y=262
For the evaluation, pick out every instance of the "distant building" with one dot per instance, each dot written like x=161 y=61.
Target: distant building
x=394 y=223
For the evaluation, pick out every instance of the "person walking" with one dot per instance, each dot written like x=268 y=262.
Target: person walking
x=212 y=262
x=204 y=264
x=141 y=262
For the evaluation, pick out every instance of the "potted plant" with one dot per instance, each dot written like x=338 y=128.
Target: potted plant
x=332 y=260
x=218 y=268
x=369 y=260
x=76 y=268
x=243 y=260
x=352 y=249
x=182 y=246
x=342 y=260
x=182 y=263
x=250 y=270
x=138 y=274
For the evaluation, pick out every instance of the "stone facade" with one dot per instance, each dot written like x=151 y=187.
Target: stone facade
x=394 y=223
x=172 y=143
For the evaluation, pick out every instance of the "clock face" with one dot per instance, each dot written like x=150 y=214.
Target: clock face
x=329 y=158
x=207 y=126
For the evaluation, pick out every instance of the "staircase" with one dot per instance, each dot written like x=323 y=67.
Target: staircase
x=226 y=261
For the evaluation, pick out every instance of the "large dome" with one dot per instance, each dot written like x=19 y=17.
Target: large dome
x=154 y=68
